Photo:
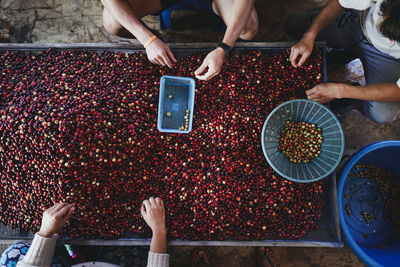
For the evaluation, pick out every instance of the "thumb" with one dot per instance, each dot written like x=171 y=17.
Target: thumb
x=201 y=69
x=293 y=55
x=303 y=58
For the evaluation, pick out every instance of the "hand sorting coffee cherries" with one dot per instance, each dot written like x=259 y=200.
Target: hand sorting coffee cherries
x=300 y=141
x=81 y=127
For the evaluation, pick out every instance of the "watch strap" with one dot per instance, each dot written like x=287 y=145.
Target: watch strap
x=226 y=48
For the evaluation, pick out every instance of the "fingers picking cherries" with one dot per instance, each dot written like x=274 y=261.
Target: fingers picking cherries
x=80 y=127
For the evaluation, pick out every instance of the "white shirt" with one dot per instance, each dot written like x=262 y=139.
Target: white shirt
x=370 y=20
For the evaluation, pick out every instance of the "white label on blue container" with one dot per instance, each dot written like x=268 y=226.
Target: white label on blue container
x=175 y=106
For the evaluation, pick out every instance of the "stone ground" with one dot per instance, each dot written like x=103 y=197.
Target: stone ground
x=74 y=21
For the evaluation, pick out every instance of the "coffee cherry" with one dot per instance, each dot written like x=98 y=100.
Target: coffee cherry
x=81 y=127
x=300 y=141
x=388 y=189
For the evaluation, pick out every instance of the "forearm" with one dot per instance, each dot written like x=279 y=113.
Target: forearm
x=123 y=13
x=158 y=256
x=241 y=10
x=159 y=242
x=40 y=252
x=327 y=15
x=385 y=92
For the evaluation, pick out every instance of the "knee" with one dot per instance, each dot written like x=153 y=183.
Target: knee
x=288 y=26
x=295 y=26
x=110 y=24
x=251 y=28
x=382 y=112
x=381 y=119
x=14 y=253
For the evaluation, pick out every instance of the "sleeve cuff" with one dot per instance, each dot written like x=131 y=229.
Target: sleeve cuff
x=357 y=4
x=157 y=260
x=41 y=251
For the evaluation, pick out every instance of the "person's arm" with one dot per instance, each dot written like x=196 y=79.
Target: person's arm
x=325 y=92
x=305 y=46
x=157 y=51
x=241 y=10
x=153 y=213
x=41 y=251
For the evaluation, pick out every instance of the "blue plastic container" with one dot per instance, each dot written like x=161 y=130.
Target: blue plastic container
x=332 y=146
x=176 y=104
x=385 y=155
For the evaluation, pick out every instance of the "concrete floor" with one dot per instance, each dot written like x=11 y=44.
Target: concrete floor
x=71 y=21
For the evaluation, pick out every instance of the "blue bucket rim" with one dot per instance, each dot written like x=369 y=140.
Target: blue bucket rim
x=275 y=168
x=349 y=165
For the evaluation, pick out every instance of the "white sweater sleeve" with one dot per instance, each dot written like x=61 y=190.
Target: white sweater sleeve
x=357 y=4
x=157 y=260
x=398 y=83
x=40 y=253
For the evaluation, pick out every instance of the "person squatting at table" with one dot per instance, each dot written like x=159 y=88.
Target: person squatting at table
x=371 y=34
x=43 y=252
x=122 y=18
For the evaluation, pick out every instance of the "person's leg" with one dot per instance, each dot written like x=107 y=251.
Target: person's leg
x=16 y=252
x=223 y=8
x=343 y=33
x=379 y=68
x=381 y=112
x=140 y=8
x=113 y=27
x=13 y=254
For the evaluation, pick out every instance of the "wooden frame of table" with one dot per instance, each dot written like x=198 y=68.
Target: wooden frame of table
x=328 y=234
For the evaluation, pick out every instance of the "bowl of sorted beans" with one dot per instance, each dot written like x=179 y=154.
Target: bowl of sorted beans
x=368 y=202
x=302 y=140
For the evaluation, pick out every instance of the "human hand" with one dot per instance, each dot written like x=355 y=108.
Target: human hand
x=304 y=48
x=213 y=62
x=153 y=213
x=324 y=92
x=159 y=53
x=54 y=218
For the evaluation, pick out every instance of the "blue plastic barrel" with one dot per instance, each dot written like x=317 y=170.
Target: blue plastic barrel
x=385 y=155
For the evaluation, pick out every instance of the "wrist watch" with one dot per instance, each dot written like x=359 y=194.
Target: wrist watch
x=226 y=48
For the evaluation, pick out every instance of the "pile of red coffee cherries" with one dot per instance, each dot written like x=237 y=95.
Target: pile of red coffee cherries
x=81 y=127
